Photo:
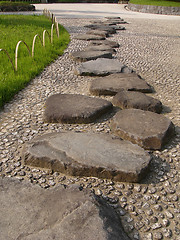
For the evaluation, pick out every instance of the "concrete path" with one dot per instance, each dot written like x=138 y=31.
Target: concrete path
x=88 y=10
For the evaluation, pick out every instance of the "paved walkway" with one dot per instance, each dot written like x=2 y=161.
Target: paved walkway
x=86 y=10
x=149 y=46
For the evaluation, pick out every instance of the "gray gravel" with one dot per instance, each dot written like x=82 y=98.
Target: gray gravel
x=149 y=210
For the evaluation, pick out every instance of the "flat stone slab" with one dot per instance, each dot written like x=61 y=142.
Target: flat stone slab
x=105 y=42
x=29 y=212
x=102 y=67
x=147 y=129
x=108 y=29
x=88 y=154
x=88 y=37
x=83 y=56
x=115 y=21
x=98 y=32
x=112 y=84
x=138 y=100
x=74 y=108
x=101 y=47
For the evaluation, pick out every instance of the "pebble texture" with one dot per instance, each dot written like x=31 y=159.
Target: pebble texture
x=138 y=100
x=74 y=108
x=147 y=129
x=86 y=154
x=151 y=48
x=58 y=213
x=112 y=84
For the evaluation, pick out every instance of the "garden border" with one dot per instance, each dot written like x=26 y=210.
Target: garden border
x=154 y=9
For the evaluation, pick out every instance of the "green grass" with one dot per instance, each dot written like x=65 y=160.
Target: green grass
x=175 y=3
x=18 y=27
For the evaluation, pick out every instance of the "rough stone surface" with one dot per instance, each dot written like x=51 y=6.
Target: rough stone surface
x=74 y=108
x=98 y=32
x=130 y=99
x=102 y=67
x=147 y=129
x=114 y=21
x=101 y=27
x=112 y=44
x=154 y=9
x=84 y=56
x=88 y=154
x=112 y=84
x=30 y=212
x=101 y=47
x=89 y=37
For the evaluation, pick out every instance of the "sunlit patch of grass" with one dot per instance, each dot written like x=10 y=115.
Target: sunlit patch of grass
x=18 y=27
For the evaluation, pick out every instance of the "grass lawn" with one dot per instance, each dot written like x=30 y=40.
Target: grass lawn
x=19 y=27
x=166 y=3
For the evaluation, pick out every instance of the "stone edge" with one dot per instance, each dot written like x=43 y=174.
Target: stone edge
x=154 y=9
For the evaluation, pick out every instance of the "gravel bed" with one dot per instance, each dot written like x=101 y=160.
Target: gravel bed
x=149 y=210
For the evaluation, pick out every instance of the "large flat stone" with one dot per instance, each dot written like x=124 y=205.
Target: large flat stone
x=105 y=42
x=98 y=32
x=147 y=129
x=74 y=108
x=88 y=37
x=83 y=56
x=29 y=212
x=112 y=84
x=114 y=21
x=102 y=67
x=101 y=47
x=138 y=100
x=108 y=29
x=88 y=154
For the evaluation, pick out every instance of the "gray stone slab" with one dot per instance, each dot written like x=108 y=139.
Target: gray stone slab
x=112 y=84
x=115 y=21
x=102 y=67
x=108 y=29
x=83 y=56
x=88 y=154
x=147 y=129
x=138 y=100
x=101 y=47
x=29 y=212
x=105 y=42
x=74 y=108
x=98 y=32
x=88 y=37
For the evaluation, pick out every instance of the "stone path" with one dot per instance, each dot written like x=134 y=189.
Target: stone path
x=88 y=154
x=56 y=213
x=150 y=209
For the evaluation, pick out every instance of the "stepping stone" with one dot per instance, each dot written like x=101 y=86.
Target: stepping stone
x=112 y=84
x=88 y=154
x=74 y=108
x=129 y=99
x=29 y=212
x=114 y=21
x=108 y=29
x=118 y=28
x=105 y=42
x=88 y=37
x=147 y=129
x=102 y=67
x=102 y=47
x=98 y=32
x=83 y=56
